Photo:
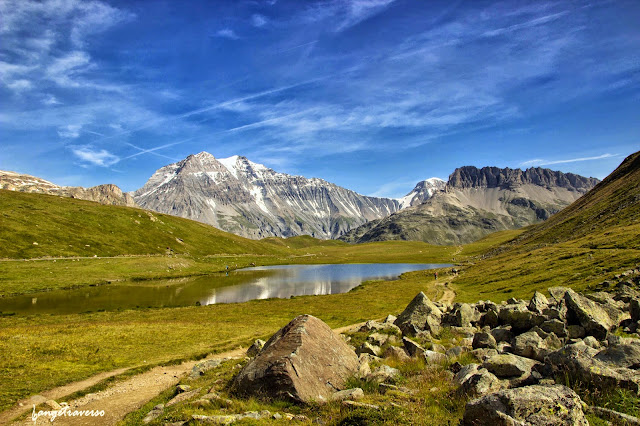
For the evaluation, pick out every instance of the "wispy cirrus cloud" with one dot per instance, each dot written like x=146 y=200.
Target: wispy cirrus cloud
x=540 y=162
x=258 y=20
x=95 y=156
x=227 y=33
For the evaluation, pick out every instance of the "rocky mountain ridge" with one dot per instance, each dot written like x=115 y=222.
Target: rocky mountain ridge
x=476 y=202
x=108 y=194
x=239 y=196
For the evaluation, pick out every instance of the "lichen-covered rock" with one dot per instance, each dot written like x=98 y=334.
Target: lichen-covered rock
x=623 y=355
x=383 y=374
x=531 y=405
x=484 y=339
x=509 y=365
x=595 y=319
x=463 y=315
x=476 y=381
x=577 y=360
x=421 y=314
x=538 y=302
x=519 y=317
x=304 y=361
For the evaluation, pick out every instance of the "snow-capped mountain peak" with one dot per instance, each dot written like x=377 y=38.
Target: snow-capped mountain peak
x=422 y=192
x=250 y=199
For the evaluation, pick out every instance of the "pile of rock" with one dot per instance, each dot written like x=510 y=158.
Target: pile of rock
x=524 y=345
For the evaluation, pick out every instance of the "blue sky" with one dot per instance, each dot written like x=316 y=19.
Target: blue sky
x=373 y=95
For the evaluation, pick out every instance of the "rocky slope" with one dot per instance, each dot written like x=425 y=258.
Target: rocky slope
x=108 y=194
x=251 y=200
x=477 y=202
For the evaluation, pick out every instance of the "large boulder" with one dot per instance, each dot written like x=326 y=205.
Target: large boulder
x=304 y=361
x=463 y=315
x=530 y=405
x=509 y=365
x=538 y=302
x=624 y=355
x=593 y=317
x=421 y=314
x=577 y=361
x=532 y=345
x=519 y=317
x=476 y=381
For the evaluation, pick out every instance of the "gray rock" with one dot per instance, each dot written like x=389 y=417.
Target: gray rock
x=555 y=326
x=377 y=339
x=578 y=362
x=483 y=339
x=202 y=367
x=463 y=315
x=383 y=374
x=592 y=342
x=615 y=417
x=538 y=302
x=255 y=348
x=455 y=351
x=156 y=412
x=390 y=319
x=413 y=349
x=421 y=314
x=396 y=352
x=432 y=357
x=532 y=345
x=623 y=355
x=576 y=332
x=181 y=397
x=519 y=316
x=304 y=361
x=557 y=293
x=509 y=365
x=595 y=320
x=368 y=348
x=490 y=318
x=555 y=313
x=503 y=334
x=348 y=395
x=475 y=381
x=371 y=326
x=634 y=309
x=531 y=405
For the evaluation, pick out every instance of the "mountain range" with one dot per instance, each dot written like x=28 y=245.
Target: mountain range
x=104 y=194
x=477 y=202
x=248 y=199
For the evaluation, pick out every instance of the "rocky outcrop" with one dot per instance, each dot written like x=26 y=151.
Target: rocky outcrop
x=531 y=405
x=477 y=202
x=495 y=177
x=108 y=194
x=304 y=361
x=251 y=200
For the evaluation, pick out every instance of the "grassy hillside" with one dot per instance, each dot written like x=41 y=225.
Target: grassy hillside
x=69 y=227
x=588 y=242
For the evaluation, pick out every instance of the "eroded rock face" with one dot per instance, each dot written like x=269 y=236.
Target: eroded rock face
x=530 y=405
x=304 y=361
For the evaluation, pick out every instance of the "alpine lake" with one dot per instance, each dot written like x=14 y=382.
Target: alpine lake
x=234 y=286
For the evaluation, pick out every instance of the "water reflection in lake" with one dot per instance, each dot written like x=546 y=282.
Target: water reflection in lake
x=243 y=285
